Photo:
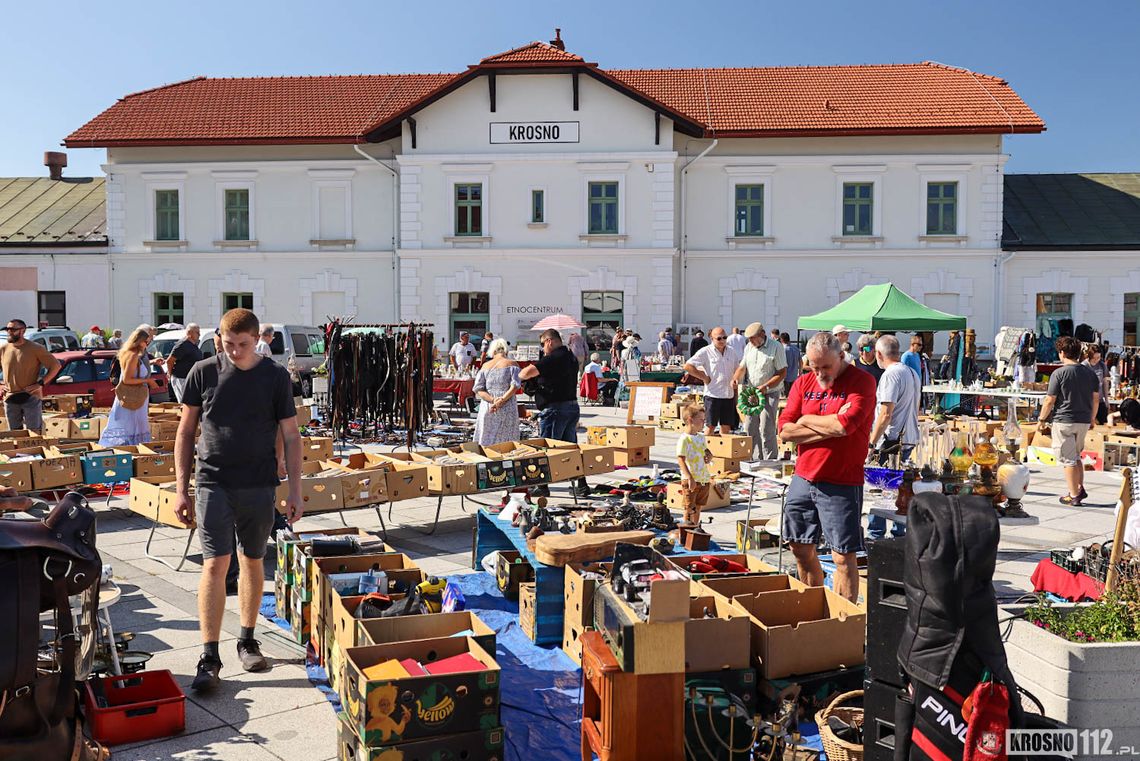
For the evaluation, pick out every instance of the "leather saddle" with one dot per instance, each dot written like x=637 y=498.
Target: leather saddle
x=66 y=541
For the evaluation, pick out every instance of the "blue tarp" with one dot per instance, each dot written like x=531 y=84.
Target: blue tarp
x=541 y=690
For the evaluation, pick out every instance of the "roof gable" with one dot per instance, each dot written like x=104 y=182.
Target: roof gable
x=1071 y=211
x=533 y=52
x=37 y=211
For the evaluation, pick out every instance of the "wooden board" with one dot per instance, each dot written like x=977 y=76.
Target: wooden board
x=562 y=549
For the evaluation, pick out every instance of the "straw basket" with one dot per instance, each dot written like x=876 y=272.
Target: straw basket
x=836 y=749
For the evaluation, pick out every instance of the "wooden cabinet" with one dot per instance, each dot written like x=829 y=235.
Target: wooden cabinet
x=627 y=717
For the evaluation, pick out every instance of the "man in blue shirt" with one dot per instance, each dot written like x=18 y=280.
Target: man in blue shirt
x=795 y=361
x=915 y=360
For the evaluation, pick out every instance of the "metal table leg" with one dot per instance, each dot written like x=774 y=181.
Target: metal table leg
x=185 y=550
x=109 y=633
x=380 y=515
x=435 y=523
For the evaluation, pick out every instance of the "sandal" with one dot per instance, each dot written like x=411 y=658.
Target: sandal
x=1071 y=501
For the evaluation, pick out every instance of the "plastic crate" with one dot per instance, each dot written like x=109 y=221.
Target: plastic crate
x=106 y=467
x=142 y=706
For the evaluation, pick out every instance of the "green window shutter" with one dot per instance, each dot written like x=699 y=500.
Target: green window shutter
x=749 y=210
x=237 y=213
x=942 y=208
x=469 y=209
x=166 y=215
x=603 y=208
x=858 y=200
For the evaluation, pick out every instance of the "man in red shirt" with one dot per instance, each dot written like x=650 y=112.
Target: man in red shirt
x=829 y=416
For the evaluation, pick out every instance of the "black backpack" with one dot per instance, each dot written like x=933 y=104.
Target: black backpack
x=42 y=563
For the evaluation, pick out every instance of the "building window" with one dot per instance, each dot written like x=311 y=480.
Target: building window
x=166 y=222
x=52 y=308
x=942 y=208
x=537 y=206
x=602 y=315
x=470 y=312
x=858 y=206
x=1131 y=318
x=236 y=212
x=168 y=308
x=334 y=210
x=469 y=208
x=236 y=301
x=603 y=212
x=749 y=210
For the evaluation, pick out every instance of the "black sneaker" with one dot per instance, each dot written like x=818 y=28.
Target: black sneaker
x=249 y=653
x=207 y=679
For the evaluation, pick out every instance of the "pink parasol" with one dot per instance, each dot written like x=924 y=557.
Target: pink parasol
x=558 y=322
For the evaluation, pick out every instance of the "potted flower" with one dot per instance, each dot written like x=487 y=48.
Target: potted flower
x=1082 y=661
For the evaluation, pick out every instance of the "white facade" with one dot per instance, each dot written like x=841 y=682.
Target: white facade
x=331 y=235
x=81 y=275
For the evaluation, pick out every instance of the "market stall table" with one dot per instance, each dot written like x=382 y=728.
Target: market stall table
x=462 y=388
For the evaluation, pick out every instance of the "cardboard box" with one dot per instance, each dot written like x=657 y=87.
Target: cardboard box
x=596 y=458
x=78 y=405
x=88 y=429
x=154 y=499
x=802 y=631
x=670 y=410
x=452 y=479
x=17 y=475
x=304 y=414
x=153 y=460
x=671 y=424
x=629 y=436
x=440 y=704
x=287 y=541
x=511 y=570
x=730 y=586
x=754 y=534
x=723 y=467
x=755 y=566
x=482 y=744
x=564 y=459
x=402 y=573
x=281 y=597
x=406 y=481
x=320 y=492
x=316 y=448
x=360 y=488
x=380 y=631
x=720 y=495
x=578 y=585
x=527 y=620
x=57 y=426
x=300 y=618
x=730 y=447
x=631 y=458
x=720 y=642
x=106 y=467
x=571 y=634
x=163 y=427
x=656 y=646
x=56 y=472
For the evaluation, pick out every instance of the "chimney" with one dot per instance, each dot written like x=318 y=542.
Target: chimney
x=557 y=41
x=55 y=161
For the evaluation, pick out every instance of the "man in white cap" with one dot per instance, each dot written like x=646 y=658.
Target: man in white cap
x=763 y=367
x=840 y=332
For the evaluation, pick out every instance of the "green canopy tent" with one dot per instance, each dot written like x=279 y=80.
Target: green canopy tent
x=882 y=307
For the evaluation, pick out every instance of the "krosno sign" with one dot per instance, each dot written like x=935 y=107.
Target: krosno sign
x=534 y=132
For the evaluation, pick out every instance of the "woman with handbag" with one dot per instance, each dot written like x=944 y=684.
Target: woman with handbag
x=127 y=424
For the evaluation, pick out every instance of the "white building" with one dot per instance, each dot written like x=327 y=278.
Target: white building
x=536 y=182
x=53 y=251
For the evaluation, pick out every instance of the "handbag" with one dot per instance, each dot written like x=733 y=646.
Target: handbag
x=18 y=397
x=132 y=396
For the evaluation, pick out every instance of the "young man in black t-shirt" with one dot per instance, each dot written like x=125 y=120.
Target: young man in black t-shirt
x=556 y=397
x=241 y=399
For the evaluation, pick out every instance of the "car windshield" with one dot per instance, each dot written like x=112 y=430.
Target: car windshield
x=162 y=346
x=79 y=370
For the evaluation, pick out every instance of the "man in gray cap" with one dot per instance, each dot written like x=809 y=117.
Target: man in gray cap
x=764 y=367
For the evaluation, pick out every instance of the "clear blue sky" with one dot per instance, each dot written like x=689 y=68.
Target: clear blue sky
x=1075 y=64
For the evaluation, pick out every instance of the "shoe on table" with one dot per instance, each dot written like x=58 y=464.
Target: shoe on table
x=207 y=678
x=249 y=653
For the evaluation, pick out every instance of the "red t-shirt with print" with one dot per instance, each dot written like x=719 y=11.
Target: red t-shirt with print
x=838 y=460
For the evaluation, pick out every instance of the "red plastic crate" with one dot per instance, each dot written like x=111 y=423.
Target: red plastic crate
x=142 y=706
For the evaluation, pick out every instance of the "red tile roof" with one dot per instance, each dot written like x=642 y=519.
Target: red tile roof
x=922 y=98
x=534 y=52
x=205 y=111
x=894 y=98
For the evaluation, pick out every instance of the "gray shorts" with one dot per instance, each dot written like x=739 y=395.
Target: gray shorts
x=833 y=511
x=1069 y=442
x=221 y=513
x=29 y=414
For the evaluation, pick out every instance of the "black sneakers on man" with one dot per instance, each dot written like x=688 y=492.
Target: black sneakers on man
x=249 y=653
x=207 y=679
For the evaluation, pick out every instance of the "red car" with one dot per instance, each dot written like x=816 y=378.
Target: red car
x=89 y=372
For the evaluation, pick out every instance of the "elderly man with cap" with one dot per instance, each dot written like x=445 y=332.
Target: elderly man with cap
x=715 y=366
x=463 y=352
x=93 y=339
x=841 y=333
x=764 y=367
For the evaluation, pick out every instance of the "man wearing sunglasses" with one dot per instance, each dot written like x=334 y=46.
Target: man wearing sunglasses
x=865 y=357
x=22 y=390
